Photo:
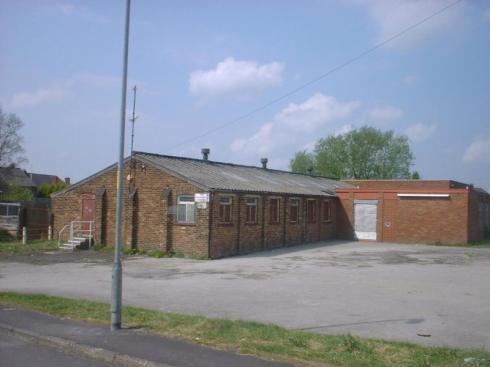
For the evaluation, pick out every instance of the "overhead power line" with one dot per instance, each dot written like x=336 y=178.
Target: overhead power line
x=319 y=77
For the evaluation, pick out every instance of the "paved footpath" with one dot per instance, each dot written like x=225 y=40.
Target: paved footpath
x=122 y=348
x=16 y=352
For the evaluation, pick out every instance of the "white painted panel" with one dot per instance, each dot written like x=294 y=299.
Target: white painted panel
x=365 y=213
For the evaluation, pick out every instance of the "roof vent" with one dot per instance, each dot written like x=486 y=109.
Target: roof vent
x=205 y=153
x=264 y=162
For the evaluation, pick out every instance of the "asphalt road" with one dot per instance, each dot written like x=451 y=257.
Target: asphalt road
x=395 y=292
x=15 y=352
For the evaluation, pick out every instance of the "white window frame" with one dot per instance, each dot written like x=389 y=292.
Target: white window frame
x=294 y=202
x=188 y=207
x=252 y=201
x=228 y=201
x=9 y=205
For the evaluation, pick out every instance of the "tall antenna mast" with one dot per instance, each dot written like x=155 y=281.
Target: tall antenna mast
x=133 y=119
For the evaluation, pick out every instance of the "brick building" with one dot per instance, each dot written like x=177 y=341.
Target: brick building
x=413 y=211
x=201 y=207
x=214 y=209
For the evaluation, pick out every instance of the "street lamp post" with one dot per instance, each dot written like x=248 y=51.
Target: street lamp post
x=116 y=301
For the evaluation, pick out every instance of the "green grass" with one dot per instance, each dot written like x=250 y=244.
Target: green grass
x=16 y=247
x=151 y=253
x=262 y=340
x=485 y=243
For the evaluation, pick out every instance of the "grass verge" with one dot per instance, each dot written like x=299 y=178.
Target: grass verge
x=16 y=247
x=262 y=340
x=485 y=243
x=151 y=253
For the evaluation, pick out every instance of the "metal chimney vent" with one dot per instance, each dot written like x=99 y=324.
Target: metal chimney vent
x=264 y=162
x=205 y=153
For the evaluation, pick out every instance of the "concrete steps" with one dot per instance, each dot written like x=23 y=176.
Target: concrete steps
x=77 y=243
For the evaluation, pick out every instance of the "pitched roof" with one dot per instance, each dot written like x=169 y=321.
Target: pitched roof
x=15 y=176
x=213 y=175
x=220 y=176
x=41 y=178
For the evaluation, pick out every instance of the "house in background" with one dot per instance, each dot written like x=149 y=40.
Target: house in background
x=43 y=179
x=216 y=209
x=19 y=205
x=13 y=176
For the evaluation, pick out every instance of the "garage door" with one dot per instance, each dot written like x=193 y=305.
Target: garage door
x=365 y=219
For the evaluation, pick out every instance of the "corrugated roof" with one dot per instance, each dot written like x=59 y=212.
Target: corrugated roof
x=233 y=177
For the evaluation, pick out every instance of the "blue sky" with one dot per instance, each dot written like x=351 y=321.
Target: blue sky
x=201 y=64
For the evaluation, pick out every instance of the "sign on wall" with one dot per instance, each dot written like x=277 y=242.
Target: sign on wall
x=201 y=197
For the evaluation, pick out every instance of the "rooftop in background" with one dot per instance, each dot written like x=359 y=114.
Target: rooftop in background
x=15 y=176
x=41 y=178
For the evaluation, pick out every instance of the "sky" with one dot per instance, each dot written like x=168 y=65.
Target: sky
x=234 y=76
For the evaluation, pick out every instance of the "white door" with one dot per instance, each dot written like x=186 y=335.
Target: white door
x=365 y=212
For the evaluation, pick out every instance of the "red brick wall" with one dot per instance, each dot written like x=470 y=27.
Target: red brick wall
x=241 y=237
x=410 y=219
x=152 y=231
x=250 y=239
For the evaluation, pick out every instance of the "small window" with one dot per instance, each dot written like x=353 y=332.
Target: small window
x=225 y=204
x=186 y=212
x=311 y=211
x=294 y=211
x=251 y=204
x=13 y=210
x=327 y=211
x=274 y=211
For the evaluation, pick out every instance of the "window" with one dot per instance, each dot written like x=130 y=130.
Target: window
x=186 y=209
x=251 y=204
x=11 y=210
x=327 y=211
x=274 y=211
x=225 y=209
x=294 y=211
x=311 y=211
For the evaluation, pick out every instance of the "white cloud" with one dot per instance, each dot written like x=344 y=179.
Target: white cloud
x=239 y=78
x=293 y=122
x=419 y=132
x=384 y=114
x=344 y=129
x=57 y=92
x=479 y=150
x=40 y=96
x=393 y=17
x=82 y=12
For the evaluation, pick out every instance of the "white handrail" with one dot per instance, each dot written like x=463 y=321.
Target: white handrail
x=61 y=231
x=76 y=227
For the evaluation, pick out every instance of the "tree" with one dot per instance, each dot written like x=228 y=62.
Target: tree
x=364 y=153
x=17 y=192
x=415 y=175
x=302 y=162
x=45 y=190
x=11 y=149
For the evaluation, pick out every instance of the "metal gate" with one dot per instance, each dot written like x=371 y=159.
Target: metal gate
x=365 y=212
